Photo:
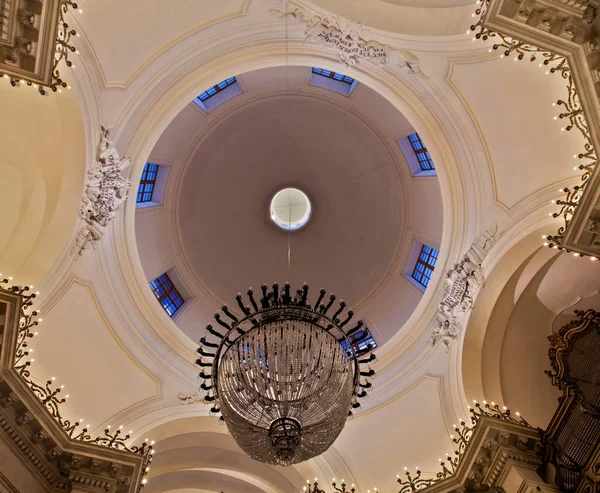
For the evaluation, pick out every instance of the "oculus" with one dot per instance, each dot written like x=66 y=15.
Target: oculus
x=290 y=209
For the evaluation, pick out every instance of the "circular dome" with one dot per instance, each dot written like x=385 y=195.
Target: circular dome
x=290 y=209
x=354 y=193
x=329 y=154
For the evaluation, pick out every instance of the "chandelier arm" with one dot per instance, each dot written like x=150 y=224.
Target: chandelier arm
x=264 y=301
x=357 y=327
x=252 y=301
x=204 y=342
x=304 y=294
x=340 y=310
x=221 y=323
x=201 y=352
x=348 y=318
x=318 y=303
x=324 y=309
x=286 y=294
x=226 y=311
x=210 y=329
x=244 y=309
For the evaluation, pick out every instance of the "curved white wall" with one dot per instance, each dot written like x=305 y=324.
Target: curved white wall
x=42 y=165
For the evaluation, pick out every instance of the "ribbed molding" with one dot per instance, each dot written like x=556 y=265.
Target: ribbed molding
x=157 y=95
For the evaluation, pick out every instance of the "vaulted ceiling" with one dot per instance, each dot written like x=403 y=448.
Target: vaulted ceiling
x=500 y=158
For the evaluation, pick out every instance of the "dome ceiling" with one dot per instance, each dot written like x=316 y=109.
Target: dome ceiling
x=356 y=225
x=341 y=151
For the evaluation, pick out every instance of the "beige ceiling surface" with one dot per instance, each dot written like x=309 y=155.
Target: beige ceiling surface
x=350 y=178
x=126 y=35
x=282 y=131
x=528 y=149
x=431 y=3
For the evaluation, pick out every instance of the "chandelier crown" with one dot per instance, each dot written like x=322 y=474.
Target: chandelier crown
x=285 y=375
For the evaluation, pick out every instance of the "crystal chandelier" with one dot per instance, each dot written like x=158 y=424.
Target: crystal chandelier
x=284 y=375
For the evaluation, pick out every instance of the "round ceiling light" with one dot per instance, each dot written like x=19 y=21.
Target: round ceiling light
x=290 y=209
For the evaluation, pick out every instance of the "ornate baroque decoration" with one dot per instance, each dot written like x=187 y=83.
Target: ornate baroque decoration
x=34 y=39
x=461 y=287
x=105 y=192
x=485 y=448
x=573 y=436
x=575 y=22
x=62 y=452
x=284 y=376
x=344 y=37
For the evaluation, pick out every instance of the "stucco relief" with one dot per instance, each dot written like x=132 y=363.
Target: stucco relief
x=105 y=192
x=461 y=287
x=344 y=37
x=190 y=398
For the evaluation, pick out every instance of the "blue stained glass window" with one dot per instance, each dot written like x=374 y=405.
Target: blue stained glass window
x=167 y=294
x=425 y=161
x=425 y=265
x=333 y=75
x=362 y=342
x=210 y=92
x=147 y=183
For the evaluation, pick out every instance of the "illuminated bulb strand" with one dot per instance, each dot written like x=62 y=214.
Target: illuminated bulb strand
x=573 y=112
x=461 y=436
x=61 y=53
x=49 y=393
x=314 y=487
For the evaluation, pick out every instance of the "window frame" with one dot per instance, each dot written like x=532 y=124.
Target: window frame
x=332 y=81
x=420 y=150
x=144 y=181
x=168 y=290
x=332 y=75
x=357 y=340
x=417 y=274
x=217 y=88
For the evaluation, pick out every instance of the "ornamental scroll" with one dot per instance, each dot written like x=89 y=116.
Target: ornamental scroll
x=105 y=192
x=344 y=37
x=461 y=287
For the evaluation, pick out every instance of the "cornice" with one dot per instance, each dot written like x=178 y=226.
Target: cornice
x=40 y=438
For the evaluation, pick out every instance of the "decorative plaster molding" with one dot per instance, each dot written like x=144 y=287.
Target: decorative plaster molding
x=105 y=192
x=344 y=37
x=191 y=398
x=32 y=425
x=34 y=40
x=461 y=287
x=565 y=36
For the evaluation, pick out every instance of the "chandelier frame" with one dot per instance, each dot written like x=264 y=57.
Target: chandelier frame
x=279 y=305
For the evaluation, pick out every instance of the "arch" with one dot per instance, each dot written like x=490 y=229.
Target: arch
x=154 y=111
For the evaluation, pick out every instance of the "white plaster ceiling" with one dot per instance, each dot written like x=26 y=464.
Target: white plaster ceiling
x=408 y=17
x=519 y=164
x=140 y=29
x=431 y=3
x=408 y=428
x=367 y=209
